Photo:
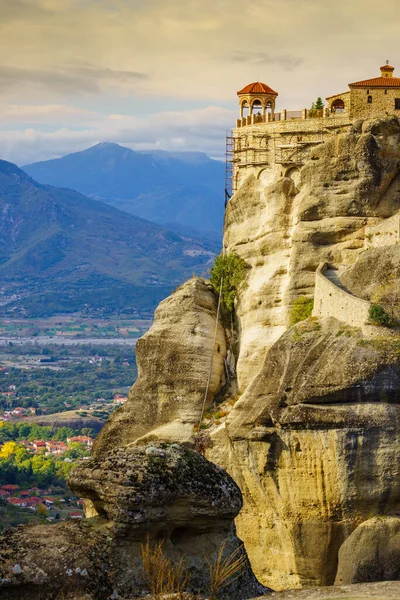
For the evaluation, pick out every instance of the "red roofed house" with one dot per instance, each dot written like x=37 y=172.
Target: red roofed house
x=17 y=501
x=10 y=487
x=76 y=515
x=369 y=97
x=39 y=445
x=81 y=439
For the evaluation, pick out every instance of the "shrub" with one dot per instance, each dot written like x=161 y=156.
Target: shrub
x=162 y=575
x=378 y=316
x=232 y=269
x=225 y=570
x=301 y=309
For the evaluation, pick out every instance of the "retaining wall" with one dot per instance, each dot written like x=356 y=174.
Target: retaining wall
x=332 y=301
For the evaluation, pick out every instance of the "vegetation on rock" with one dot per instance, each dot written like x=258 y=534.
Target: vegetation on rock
x=378 y=316
x=231 y=270
x=302 y=309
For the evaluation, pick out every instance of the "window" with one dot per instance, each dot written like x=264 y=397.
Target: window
x=385 y=91
x=397 y=103
x=369 y=100
x=367 y=92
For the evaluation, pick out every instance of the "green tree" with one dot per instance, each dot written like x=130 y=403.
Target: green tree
x=231 y=270
x=319 y=103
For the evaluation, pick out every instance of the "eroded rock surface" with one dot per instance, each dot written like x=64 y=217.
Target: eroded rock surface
x=150 y=493
x=284 y=231
x=371 y=552
x=174 y=359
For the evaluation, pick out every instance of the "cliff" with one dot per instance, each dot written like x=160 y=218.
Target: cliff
x=313 y=439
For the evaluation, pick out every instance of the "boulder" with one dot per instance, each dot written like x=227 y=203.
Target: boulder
x=165 y=492
x=149 y=494
x=371 y=552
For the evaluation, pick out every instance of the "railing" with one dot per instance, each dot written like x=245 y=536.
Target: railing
x=290 y=115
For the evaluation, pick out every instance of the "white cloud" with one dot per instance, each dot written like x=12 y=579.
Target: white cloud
x=196 y=130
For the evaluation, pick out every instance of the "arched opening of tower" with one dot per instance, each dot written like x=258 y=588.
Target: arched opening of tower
x=245 y=109
x=256 y=108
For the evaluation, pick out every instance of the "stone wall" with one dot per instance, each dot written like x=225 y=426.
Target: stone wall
x=268 y=149
x=386 y=233
x=332 y=301
x=383 y=102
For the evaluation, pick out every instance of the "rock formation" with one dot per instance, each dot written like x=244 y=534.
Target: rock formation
x=313 y=440
x=173 y=360
x=371 y=552
x=284 y=231
x=157 y=492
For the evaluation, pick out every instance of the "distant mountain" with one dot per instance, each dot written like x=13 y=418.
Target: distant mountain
x=165 y=187
x=61 y=251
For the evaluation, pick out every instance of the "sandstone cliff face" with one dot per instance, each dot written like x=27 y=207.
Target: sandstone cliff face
x=313 y=445
x=313 y=442
x=174 y=360
x=285 y=231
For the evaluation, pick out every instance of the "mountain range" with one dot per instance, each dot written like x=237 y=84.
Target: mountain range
x=183 y=188
x=63 y=252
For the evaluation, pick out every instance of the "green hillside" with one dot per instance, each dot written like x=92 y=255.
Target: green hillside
x=63 y=252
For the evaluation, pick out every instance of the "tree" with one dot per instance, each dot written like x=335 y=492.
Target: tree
x=319 y=103
x=8 y=450
x=42 y=510
x=231 y=270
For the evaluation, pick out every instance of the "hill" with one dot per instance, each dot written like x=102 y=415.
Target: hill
x=63 y=252
x=164 y=187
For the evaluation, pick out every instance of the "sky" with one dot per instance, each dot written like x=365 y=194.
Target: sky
x=164 y=73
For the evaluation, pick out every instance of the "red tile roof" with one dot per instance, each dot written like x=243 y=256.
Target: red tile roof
x=383 y=82
x=257 y=88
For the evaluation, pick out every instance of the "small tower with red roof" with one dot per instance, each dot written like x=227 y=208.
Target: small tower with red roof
x=256 y=98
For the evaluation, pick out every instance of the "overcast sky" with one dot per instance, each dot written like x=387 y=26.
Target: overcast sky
x=164 y=73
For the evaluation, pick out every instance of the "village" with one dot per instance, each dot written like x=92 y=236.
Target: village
x=54 y=507
x=17 y=413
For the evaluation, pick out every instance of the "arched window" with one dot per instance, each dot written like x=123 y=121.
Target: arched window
x=369 y=100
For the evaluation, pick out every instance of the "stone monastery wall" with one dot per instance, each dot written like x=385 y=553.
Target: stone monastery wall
x=270 y=149
x=332 y=301
x=383 y=102
x=383 y=234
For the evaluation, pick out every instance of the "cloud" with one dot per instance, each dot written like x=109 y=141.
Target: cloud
x=69 y=79
x=287 y=61
x=195 y=130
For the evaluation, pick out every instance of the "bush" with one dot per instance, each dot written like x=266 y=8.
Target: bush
x=378 y=316
x=232 y=269
x=301 y=309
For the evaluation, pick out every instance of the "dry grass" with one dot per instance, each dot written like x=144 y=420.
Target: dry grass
x=162 y=575
x=226 y=569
